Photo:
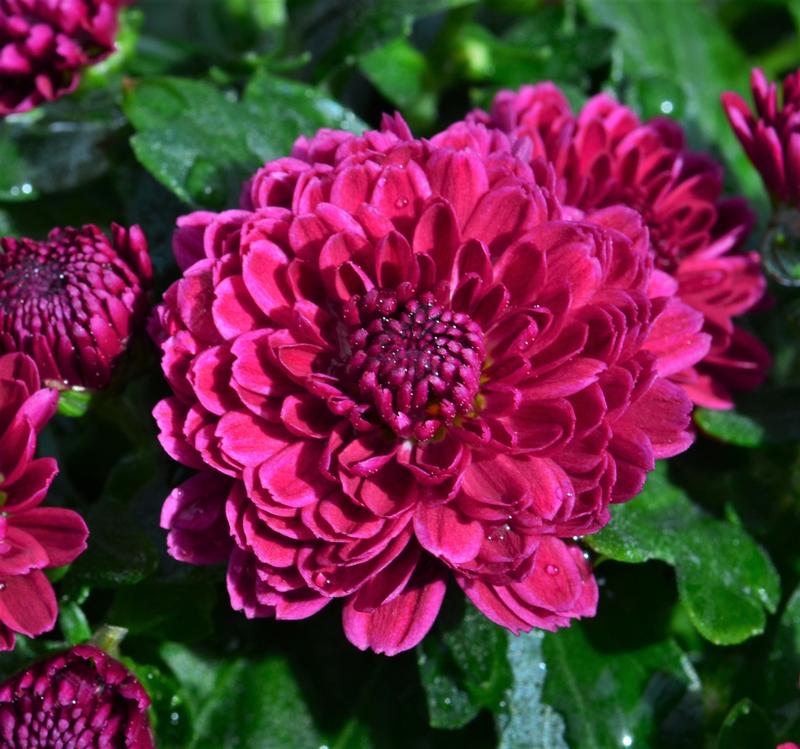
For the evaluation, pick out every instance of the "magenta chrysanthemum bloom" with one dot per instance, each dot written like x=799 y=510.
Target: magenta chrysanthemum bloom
x=397 y=364
x=45 y=44
x=605 y=156
x=32 y=538
x=71 y=302
x=770 y=135
x=81 y=698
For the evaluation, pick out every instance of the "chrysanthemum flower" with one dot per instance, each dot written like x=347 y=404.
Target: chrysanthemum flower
x=396 y=364
x=71 y=301
x=45 y=44
x=81 y=698
x=32 y=538
x=605 y=156
x=770 y=135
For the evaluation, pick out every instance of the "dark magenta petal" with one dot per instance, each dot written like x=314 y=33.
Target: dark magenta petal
x=80 y=698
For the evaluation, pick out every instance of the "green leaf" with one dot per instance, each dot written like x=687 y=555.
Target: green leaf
x=119 y=553
x=74 y=403
x=192 y=139
x=169 y=713
x=181 y=34
x=58 y=147
x=524 y=721
x=783 y=696
x=725 y=580
x=341 y=30
x=683 y=42
x=202 y=143
x=746 y=727
x=73 y=622
x=730 y=426
x=401 y=73
x=535 y=49
x=478 y=649
x=242 y=702
x=463 y=665
x=295 y=109
x=14 y=177
x=166 y=609
x=620 y=698
x=771 y=415
x=449 y=703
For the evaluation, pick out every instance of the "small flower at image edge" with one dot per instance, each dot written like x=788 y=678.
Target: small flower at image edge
x=397 y=364
x=770 y=136
x=81 y=698
x=44 y=46
x=72 y=301
x=605 y=156
x=32 y=538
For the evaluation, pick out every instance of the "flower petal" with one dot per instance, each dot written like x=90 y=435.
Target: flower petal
x=401 y=623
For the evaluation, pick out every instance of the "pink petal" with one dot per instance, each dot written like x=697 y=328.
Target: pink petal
x=210 y=376
x=292 y=475
x=234 y=310
x=445 y=532
x=521 y=268
x=32 y=486
x=40 y=407
x=437 y=234
x=194 y=514
x=402 y=623
x=21 y=552
x=28 y=604
x=460 y=178
x=675 y=338
x=500 y=215
x=264 y=270
x=394 y=261
x=569 y=378
x=170 y=415
x=248 y=439
x=62 y=533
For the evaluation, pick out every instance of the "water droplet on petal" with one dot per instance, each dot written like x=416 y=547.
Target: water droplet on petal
x=321 y=580
x=551 y=569
x=401 y=203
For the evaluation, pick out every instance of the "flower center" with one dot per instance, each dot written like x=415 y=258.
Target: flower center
x=25 y=276
x=418 y=362
x=72 y=712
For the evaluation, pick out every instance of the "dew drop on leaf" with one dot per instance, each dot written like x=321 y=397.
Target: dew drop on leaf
x=781 y=248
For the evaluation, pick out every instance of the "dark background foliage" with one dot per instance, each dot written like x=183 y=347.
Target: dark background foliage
x=697 y=639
